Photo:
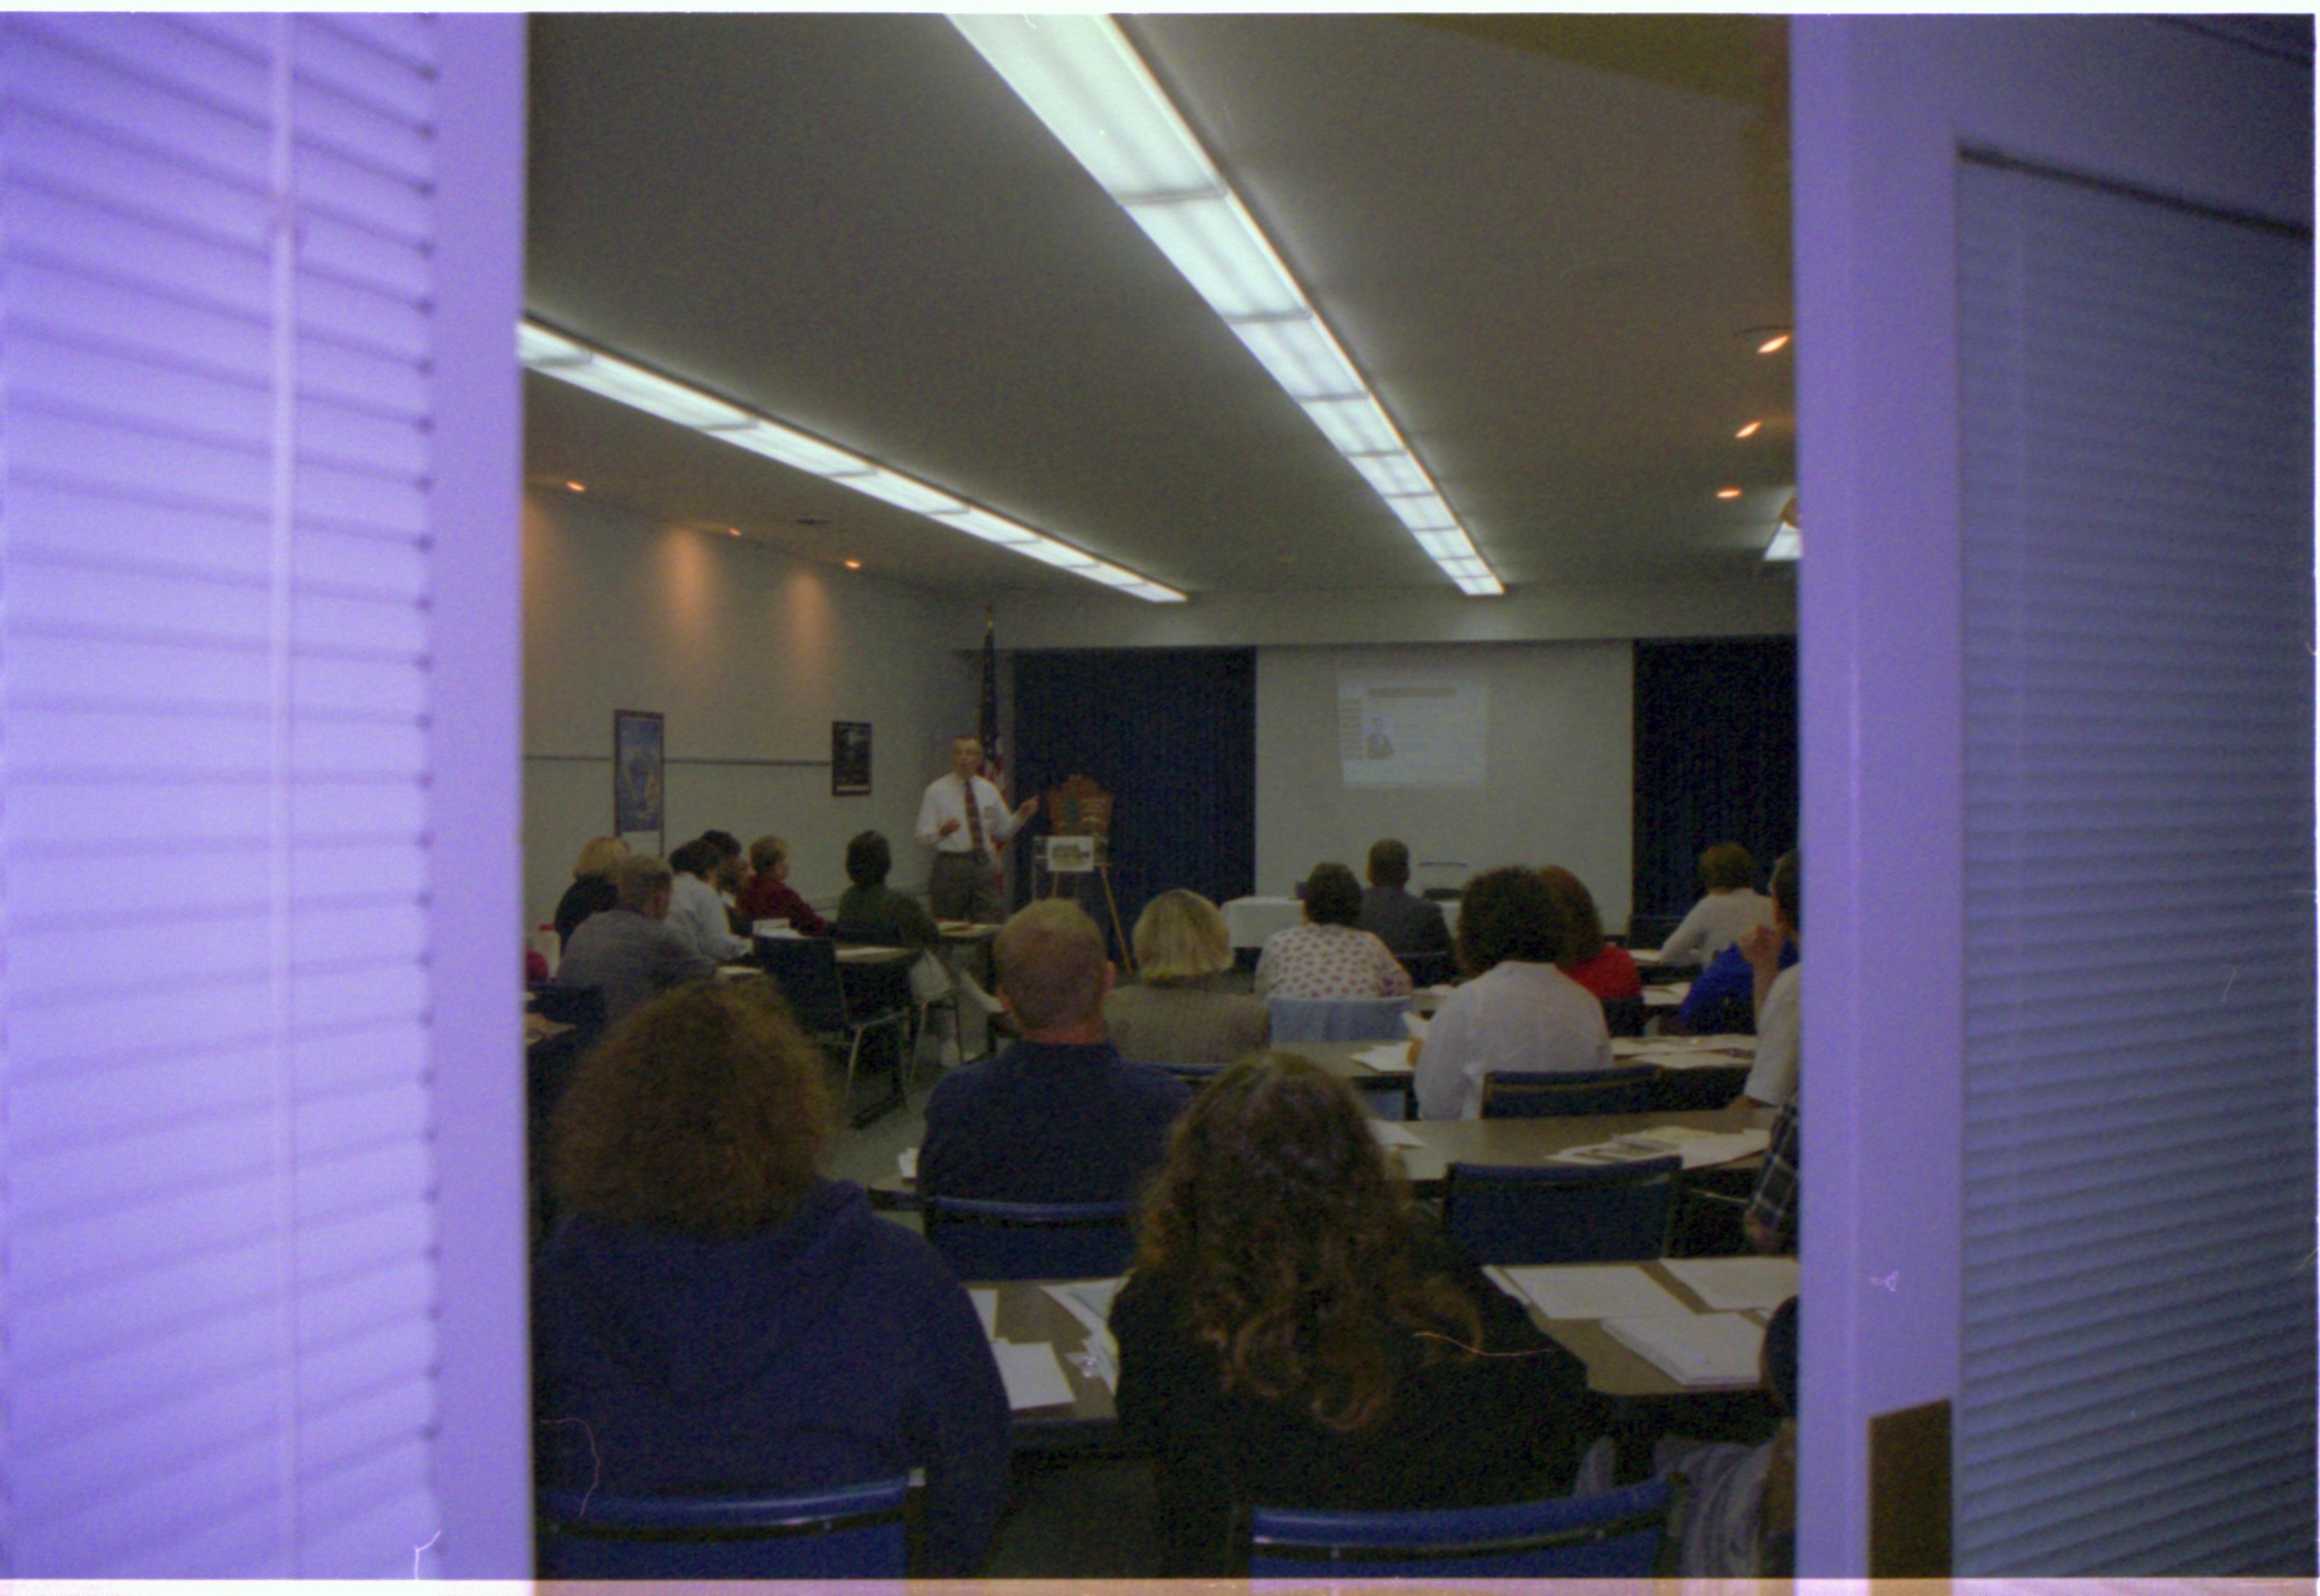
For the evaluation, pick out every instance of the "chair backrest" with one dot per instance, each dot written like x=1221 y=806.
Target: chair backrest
x=1678 y=1090
x=849 y=1532
x=1514 y=1094
x=1624 y=1017
x=806 y=970
x=1613 y=1535
x=580 y=1007
x=1561 y=1213
x=1337 y=1020
x=984 y=1240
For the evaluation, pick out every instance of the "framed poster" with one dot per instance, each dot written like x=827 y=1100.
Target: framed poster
x=849 y=759
x=638 y=811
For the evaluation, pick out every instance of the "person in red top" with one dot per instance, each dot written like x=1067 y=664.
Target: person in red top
x=770 y=896
x=1604 y=968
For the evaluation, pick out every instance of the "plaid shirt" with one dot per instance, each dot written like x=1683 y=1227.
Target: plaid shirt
x=1774 y=1205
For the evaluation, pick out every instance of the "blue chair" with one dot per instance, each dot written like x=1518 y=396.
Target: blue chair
x=848 y=1532
x=806 y=970
x=1616 y=1534
x=1561 y=1213
x=1337 y=1020
x=1516 y=1094
x=983 y=1240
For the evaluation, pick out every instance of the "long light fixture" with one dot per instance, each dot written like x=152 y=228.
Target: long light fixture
x=567 y=358
x=1081 y=77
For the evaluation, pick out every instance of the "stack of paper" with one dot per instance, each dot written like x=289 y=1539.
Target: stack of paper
x=1392 y=1058
x=1589 y=1290
x=1695 y=1349
x=909 y=1159
x=1737 y=1283
x=1698 y=1150
x=1033 y=1377
x=1089 y=1303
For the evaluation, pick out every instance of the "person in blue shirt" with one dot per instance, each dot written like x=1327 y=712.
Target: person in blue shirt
x=1722 y=1001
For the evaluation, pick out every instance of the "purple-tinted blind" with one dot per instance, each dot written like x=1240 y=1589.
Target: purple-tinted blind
x=215 y=235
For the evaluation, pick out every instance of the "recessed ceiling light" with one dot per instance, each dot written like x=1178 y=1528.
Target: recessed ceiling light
x=735 y=531
x=1081 y=78
x=1749 y=431
x=853 y=565
x=557 y=355
x=1727 y=492
x=1774 y=344
x=575 y=487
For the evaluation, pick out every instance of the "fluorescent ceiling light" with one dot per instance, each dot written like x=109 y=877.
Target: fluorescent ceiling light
x=1081 y=78
x=554 y=354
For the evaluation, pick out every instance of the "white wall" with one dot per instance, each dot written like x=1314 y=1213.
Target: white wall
x=1560 y=757
x=750 y=655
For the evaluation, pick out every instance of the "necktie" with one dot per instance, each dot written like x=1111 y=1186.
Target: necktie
x=974 y=818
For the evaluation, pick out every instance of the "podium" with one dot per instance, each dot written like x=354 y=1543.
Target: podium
x=1078 y=850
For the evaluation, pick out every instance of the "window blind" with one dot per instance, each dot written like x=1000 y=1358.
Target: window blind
x=214 y=577
x=2137 y=1392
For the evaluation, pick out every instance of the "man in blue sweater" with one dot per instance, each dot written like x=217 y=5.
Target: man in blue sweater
x=1059 y=1116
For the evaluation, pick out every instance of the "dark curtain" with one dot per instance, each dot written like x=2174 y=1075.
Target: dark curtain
x=1716 y=761
x=1172 y=735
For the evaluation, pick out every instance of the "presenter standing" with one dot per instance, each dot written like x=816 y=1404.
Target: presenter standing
x=964 y=819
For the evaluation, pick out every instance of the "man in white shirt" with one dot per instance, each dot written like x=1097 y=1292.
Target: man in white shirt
x=1779 y=996
x=964 y=819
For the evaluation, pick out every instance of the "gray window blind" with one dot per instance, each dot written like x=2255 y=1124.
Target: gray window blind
x=2137 y=1392
x=216 y=237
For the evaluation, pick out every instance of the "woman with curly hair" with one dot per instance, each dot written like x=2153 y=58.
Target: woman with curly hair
x=1293 y=1336
x=715 y=1318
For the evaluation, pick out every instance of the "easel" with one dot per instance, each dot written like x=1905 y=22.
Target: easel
x=1078 y=808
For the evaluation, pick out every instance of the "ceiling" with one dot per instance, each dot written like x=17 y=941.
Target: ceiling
x=1542 y=238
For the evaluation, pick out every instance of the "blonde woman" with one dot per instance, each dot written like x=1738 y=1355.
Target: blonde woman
x=1178 y=1013
x=592 y=890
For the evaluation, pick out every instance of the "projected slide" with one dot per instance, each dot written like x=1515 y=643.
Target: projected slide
x=1412 y=730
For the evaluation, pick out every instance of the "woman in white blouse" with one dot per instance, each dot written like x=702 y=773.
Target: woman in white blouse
x=1516 y=1012
x=1329 y=955
x=1730 y=907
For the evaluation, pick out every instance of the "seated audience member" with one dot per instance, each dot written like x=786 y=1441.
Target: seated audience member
x=1059 y=1116
x=871 y=911
x=592 y=890
x=733 y=873
x=1721 y=999
x=1409 y=925
x=1516 y=1010
x=1295 y=1334
x=694 y=911
x=1778 y=989
x=1771 y=1222
x=1329 y=955
x=1731 y=1527
x=1176 y=1014
x=769 y=895
x=1604 y=968
x=714 y=1317
x=630 y=952
x=1730 y=906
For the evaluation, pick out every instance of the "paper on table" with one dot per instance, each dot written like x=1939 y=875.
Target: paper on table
x=1391 y=1134
x=1591 y=1291
x=1089 y=1303
x=1644 y=955
x=1666 y=996
x=1696 y=1348
x=1653 y=1141
x=1703 y=1152
x=909 y=1159
x=1416 y=1025
x=1033 y=1377
x=1683 y=1058
x=986 y=1308
x=1392 y=1059
x=1737 y=1283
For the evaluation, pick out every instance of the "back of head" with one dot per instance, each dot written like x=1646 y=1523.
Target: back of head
x=727 y=844
x=1725 y=866
x=1390 y=862
x=1582 y=926
x=868 y=860
x=696 y=857
x=1332 y=896
x=766 y=853
x=639 y=879
x=1051 y=961
x=702 y=1111
x=1507 y=913
x=1181 y=937
x=1291 y=1234
x=598 y=857
x=1788 y=885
